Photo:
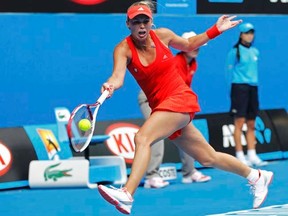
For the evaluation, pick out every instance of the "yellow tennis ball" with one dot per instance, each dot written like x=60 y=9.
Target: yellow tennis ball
x=84 y=124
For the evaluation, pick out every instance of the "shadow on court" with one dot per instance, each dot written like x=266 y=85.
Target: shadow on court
x=226 y=192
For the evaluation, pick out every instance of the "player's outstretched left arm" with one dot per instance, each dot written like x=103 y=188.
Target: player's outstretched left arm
x=223 y=23
x=119 y=69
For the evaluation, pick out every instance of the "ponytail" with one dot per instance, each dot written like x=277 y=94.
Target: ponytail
x=237 y=49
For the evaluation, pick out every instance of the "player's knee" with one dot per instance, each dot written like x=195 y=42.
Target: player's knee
x=141 y=140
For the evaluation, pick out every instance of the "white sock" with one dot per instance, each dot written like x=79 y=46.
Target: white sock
x=253 y=175
x=251 y=153
x=240 y=155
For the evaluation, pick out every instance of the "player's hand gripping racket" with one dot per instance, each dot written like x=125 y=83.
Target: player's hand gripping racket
x=82 y=122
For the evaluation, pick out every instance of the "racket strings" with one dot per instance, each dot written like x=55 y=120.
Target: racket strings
x=79 y=137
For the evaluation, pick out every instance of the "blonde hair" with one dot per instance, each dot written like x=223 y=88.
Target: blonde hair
x=147 y=3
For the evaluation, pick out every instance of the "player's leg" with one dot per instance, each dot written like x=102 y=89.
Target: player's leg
x=193 y=143
x=157 y=127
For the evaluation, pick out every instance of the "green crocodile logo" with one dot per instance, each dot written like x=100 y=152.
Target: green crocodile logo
x=55 y=174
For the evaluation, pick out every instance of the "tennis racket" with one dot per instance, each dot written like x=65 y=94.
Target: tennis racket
x=79 y=138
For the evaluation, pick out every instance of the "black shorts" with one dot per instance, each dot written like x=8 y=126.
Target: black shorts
x=244 y=101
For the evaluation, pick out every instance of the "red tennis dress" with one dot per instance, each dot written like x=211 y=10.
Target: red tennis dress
x=161 y=82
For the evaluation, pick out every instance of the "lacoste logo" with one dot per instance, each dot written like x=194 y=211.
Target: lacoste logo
x=55 y=174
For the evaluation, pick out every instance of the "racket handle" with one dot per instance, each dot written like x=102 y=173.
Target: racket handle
x=103 y=97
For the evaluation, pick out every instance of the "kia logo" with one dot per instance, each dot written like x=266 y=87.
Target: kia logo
x=121 y=141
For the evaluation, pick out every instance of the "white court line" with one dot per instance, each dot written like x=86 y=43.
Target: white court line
x=276 y=210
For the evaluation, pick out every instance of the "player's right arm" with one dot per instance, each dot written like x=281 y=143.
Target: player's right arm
x=120 y=59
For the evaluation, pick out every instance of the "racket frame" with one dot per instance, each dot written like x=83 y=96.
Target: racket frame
x=92 y=115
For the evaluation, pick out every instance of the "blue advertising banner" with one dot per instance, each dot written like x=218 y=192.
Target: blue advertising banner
x=221 y=130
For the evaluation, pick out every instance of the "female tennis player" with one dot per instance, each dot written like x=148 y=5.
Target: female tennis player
x=146 y=54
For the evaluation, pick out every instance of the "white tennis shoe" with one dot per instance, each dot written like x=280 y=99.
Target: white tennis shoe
x=260 y=187
x=120 y=198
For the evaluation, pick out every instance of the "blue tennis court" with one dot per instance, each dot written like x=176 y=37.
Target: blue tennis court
x=226 y=194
